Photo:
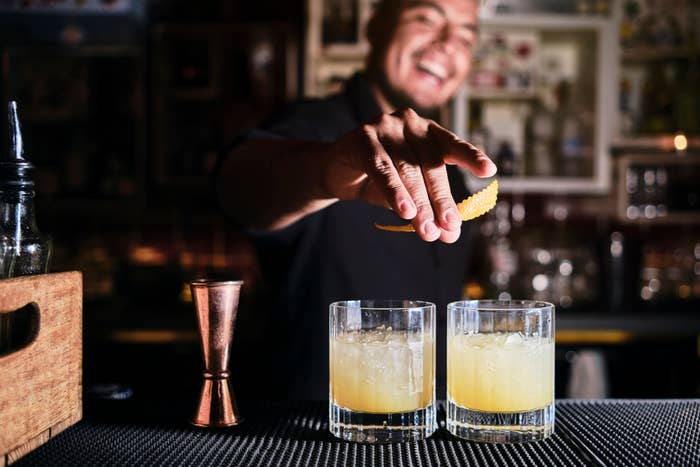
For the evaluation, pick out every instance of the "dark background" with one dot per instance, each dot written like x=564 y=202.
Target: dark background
x=125 y=113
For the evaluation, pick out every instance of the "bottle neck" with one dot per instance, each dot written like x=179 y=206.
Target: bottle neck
x=17 y=217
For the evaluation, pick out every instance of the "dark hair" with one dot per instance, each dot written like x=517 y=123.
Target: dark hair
x=381 y=26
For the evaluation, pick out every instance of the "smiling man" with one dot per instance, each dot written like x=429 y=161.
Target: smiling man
x=309 y=184
x=422 y=58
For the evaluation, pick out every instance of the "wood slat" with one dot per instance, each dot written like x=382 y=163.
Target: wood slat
x=28 y=447
x=42 y=382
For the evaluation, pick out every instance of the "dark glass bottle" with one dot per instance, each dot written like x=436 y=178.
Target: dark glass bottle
x=32 y=249
x=7 y=256
x=506 y=159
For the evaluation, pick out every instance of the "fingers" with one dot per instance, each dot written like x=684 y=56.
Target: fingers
x=409 y=168
x=381 y=169
x=405 y=157
x=434 y=173
x=450 y=236
x=459 y=152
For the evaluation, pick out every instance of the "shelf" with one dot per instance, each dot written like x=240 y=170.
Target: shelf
x=544 y=185
x=345 y=51
x=690 y=218
x=643 y=54
x=554 y=185
x=590 y=43
x=543 y=21
x=500 y=94
x=152 y=336
x=83 y=51
x=653 y=142
x=669 y=324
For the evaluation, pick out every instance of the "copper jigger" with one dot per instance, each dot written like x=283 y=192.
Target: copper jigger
x=216 y=303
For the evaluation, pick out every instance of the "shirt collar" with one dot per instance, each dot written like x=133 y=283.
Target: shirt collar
x=362 y=98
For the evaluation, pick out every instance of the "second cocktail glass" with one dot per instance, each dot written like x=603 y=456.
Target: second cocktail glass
x=382 y=370
x=500 y=370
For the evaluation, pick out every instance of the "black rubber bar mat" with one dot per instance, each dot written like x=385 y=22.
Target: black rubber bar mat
x=603 y=432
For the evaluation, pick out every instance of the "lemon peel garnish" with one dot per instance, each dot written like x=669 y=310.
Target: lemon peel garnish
x=476 y=205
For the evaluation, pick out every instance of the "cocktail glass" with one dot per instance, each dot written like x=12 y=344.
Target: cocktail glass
x=382 y=370
x=500 y=370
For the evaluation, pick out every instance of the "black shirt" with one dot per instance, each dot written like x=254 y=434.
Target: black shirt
x=337 y=254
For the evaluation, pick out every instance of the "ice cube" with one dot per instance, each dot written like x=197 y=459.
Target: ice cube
x=514 y=338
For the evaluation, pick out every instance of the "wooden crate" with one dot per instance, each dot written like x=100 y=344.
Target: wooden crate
x=40 y=381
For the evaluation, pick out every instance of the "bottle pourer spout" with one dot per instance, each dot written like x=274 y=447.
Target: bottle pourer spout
x=16 y=144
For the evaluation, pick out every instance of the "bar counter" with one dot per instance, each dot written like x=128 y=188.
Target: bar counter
x=588 y=432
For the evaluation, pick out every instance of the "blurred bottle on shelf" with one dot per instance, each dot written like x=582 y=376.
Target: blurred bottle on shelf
x=687 y=103
x=556 y=266
x=670 y=271
x=625 y=106
x=658 y=93
x=563 y=275
x=505 y=157
x=480 y=136
x=659 y=26
x=32 y=248
x=540 y=262
x=647 y=190
x=499 y=254
x=539 y=136
x=693 y=27
x=569 y=134
x=629 y=23
x=614 y=257
x=593 y=7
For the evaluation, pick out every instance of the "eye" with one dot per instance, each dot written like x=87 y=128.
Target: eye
x=424 y=16
x=424 y=19
x=466 y=43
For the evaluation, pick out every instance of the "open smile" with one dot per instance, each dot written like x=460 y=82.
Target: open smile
x=435 y=69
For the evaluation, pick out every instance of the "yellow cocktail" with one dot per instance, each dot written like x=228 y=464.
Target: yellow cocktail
x=381 y=371
x=500 y=372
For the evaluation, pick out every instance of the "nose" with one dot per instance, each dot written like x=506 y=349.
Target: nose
x=447 y=37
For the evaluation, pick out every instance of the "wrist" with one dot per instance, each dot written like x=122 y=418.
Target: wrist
x=319 y=162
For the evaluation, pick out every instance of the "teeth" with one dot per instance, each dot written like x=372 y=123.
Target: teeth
x=433 y=68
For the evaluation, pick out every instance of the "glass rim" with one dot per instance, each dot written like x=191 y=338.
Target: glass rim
x=214 y=282
x=383 y=304
x=500 y=306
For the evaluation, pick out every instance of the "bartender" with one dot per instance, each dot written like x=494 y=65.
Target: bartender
x=309 y=184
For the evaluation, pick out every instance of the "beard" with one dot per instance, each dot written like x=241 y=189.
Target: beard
x=402 y=100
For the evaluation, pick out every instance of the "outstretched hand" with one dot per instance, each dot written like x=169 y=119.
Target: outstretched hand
x=399 y=161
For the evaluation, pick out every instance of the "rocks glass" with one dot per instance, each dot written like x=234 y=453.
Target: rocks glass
x=382 y=370
x=500 y=370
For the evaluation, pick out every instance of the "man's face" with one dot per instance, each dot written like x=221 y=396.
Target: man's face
x=429 y=53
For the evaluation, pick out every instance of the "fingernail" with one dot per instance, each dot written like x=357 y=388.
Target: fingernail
x=489 y=167
x=404 y=206
x=429 y=228
x=451 y=216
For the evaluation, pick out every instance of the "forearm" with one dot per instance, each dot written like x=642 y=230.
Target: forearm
x=270 y=184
